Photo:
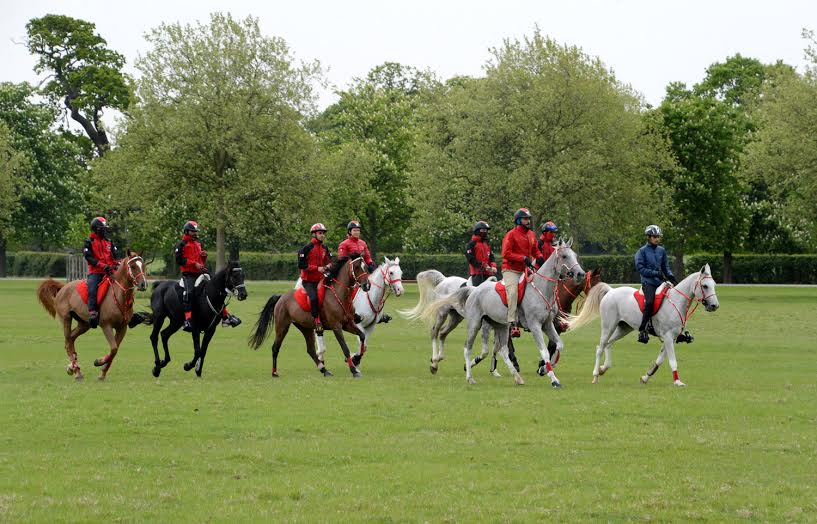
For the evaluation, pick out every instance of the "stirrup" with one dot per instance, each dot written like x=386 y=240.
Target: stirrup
x=188 y=325
x=643 y=337
x=230 y=321
x=318 y=328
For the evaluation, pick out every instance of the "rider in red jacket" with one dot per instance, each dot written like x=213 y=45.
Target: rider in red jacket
x=101 y=255
x=191 y=258
x=549 y=230
x=354 y=245
x=481 y=263
x=519 y=249
x=314 y=260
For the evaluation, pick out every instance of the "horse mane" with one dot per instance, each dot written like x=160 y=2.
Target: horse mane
x=338 y=264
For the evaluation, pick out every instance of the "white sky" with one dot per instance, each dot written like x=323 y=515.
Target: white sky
x=647 y=43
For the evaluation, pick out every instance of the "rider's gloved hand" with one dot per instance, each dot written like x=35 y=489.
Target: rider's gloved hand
x=371 y=267
x=529 y=262
x=199 y=266
x=540 y=261
x=108 y=270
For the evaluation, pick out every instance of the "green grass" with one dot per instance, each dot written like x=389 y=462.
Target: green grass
x=739 y=444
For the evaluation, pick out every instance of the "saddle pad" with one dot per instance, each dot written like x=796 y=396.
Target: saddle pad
x=303 y=299
x=659 y=299
x=101 y=290
x=503 y=295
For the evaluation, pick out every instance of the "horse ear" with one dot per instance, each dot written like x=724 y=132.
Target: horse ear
x=706 y=270
x=397 y=261
x=386 y=259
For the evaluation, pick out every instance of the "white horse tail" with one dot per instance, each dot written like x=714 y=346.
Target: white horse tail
x=456 y=298
x=427 y=281
x=590 y=310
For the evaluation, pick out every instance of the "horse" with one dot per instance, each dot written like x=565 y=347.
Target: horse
x=208 y=302
x=537 y=310
x=336 y=313
x=434 y=286
x=620 y=314
x=63 y=301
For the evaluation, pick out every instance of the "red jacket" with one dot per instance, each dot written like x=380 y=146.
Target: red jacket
x=99 y=252
x=311 y=258
x=188 y=254
x=519 y=242
x=546 y=244
x=354 y=245
x=479 y=255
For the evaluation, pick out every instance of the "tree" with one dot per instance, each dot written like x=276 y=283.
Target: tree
x=10 y=162
x=216 y=134
x=376 y=122
x=86 y=75
x=49 y=186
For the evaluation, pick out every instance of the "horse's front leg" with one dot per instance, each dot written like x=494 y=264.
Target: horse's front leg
x=362 y=335
x=196 y=335
x=486 y=334
x=346 y=354
x=669 y=349
x=538 y=337
x=113 y=341
x=501 y=336
x=208 y=335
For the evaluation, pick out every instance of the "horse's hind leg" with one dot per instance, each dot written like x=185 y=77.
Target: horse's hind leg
x=538 y=337
x=154 y=341
x=486 y=334
x=309 y=337
x=436 y=354
x=473 y=328
x=454 y=320
x=168 y=332
x=70 y=337
x=621 y=331
x=501 y=335
x=196 y=335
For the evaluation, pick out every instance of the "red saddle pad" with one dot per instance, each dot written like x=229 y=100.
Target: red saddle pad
x=659 y=299
x=303 y=299
x=82 y=289
x=503 y=295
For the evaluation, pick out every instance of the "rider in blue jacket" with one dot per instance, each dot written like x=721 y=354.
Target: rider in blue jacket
x=651 y=263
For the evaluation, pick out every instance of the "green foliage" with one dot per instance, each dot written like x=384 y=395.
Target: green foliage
x=48 y=176
x=36 y=264
x=84 y=72
x=761 y=269
x=10 y=163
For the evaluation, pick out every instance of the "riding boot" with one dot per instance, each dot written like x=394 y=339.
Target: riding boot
x=643 y=337
x=188 y=321
x=318 y=327
x=93 y=319
x=384 y=319
x=228 y=319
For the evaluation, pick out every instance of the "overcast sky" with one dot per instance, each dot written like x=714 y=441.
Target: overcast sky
x=647 y=43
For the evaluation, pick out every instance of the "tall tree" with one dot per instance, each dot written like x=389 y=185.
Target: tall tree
x=11 y=162
x=217 y=132
x=85 y=74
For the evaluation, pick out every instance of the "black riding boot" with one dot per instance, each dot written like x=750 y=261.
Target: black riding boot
x=643 y=337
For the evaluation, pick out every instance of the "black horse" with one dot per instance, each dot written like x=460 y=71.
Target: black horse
x=207 y=301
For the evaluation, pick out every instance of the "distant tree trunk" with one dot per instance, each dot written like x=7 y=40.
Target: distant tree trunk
x=2 y=257
x=678 y=265
x=220 y=251
x=93 y=129
x=371 y=218
x=727 y=267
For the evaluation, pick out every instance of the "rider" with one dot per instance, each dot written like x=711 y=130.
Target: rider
x=651 y=262
x=101 y=255
x=191 y=258
x=549 y=230
x=481 y=263
x=314 y=259
x=355 y=245
x=519 y=249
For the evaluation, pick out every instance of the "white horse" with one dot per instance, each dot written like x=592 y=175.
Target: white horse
x=620 y=315
x=387 y=278
x=435 y=286
x=537 y=310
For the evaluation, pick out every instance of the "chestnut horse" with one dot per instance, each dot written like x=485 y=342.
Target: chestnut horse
x=337 y=313
x=63 y=301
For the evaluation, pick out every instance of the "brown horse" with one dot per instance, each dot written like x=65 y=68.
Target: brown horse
x=115 y=310
x=337 y=313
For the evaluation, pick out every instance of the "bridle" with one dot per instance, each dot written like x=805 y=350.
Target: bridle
x=555 y=295
x=585 y=289
x=126 y=308
x=356 y=278
x=388 y=285
x=694 y=298
x=228 y=292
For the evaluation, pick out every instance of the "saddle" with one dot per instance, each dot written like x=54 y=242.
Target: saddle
x=503 y=295
x=203 y=278
x=659 y=299
x=303 y=299
x=101 y=291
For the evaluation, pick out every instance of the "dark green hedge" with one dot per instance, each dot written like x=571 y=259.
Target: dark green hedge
x=35 y=264
x=760 y=269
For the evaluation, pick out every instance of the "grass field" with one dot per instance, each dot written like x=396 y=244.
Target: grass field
x=738 y=444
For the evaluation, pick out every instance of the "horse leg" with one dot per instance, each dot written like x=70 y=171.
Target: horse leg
x=603 y=346
x=196 y=335
x=113 y=342
x=309 y=337
x=281 y=330
x=363 y=337
x=497 y=352
x=154 y=341
x=538 y=337
x=454 y=320
x=70 y=337
x=657 y=364
x=346 y=354
x=620 y=332
x=473 y=329
x=669 y=349
x=208 y=335
x=502 y=335
x=168 y=332
x=484 y=328
x=442 y=316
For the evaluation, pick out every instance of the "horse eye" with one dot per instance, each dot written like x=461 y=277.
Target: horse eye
x=706 y=287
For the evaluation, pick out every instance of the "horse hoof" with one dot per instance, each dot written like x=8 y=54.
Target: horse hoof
x=471 y=380
x=595 y=379
x=518 y=380
x=164 y=363
x=542 y=371
x=98 y=362
x=496 y=374
x=602 y=371
x=644 y=379
x=327 y=373
x=69 y=369
x=188 y=366
x=275 y=374
x=101 y=377
x=679 y=384
x=79 y=377
x=433 y=369
x=156 y=371
x=355 y=372
x=356 y=359
x=556 y=385
x=198 y=373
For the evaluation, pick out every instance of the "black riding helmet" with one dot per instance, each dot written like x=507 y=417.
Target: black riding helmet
x=99 y=225
x=351 y=225
x=481 y=225
x=191 y=226
x=520 y=214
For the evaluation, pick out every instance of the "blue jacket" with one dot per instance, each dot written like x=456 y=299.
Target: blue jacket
x=650 y=262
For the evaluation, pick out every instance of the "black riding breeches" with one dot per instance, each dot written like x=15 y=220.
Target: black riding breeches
x=93 y=284
x=478 y=279
x=189 y=286
x=649 y=301
x=312 y=291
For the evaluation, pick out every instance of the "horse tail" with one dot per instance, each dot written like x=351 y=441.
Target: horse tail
x=140 y=317
x=46 y=293
x=427 y=281
x=456 y=298
x=259 y=333
x=590 y=310
x=155 y=284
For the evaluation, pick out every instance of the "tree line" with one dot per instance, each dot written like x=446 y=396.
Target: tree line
x=220 y=124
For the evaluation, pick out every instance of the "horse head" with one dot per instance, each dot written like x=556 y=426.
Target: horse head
x=393 y=275
x=234 y=280
x=704 y=290
x=567 y=262
x=358 y=272
x=136 y=270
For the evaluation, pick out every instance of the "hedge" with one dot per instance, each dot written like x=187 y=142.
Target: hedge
x=35 y=264
x=760 y=269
